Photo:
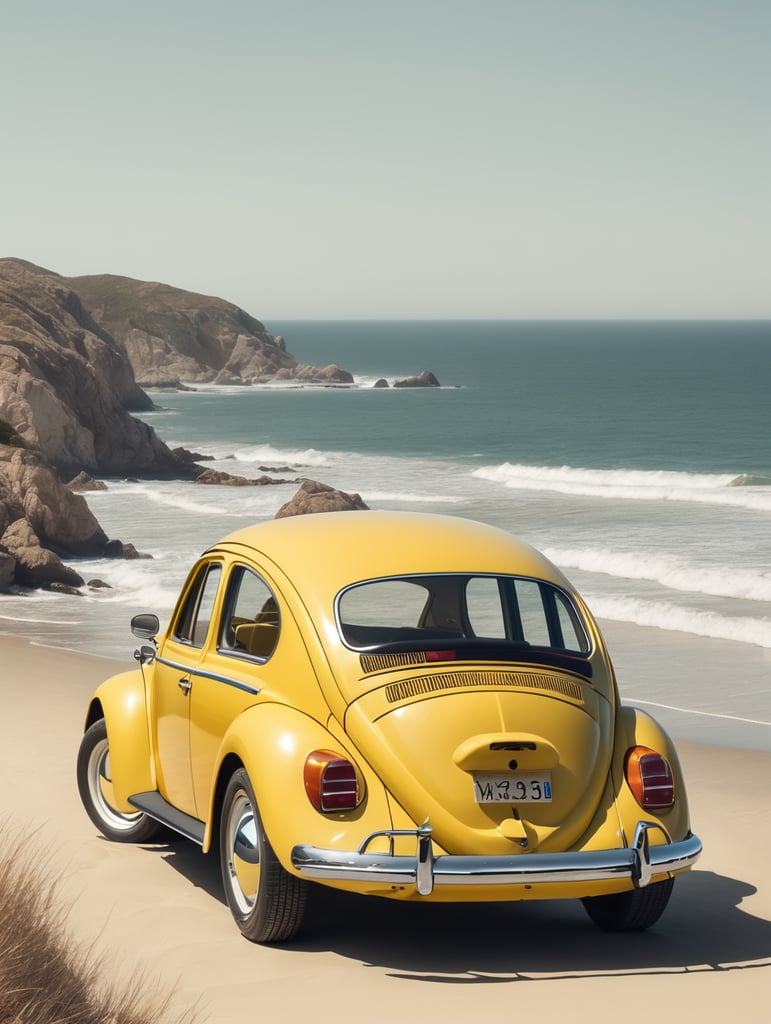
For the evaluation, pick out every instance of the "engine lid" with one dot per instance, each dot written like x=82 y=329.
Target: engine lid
x=498 y=761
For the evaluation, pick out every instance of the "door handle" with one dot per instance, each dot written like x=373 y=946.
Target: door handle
x=185 y=685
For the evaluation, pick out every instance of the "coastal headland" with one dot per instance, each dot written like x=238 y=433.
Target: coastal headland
x=75 y=357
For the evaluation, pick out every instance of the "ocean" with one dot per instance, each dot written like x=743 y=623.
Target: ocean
x=637 y=456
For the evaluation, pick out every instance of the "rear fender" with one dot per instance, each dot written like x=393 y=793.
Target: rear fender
x=636 y=728
x=272 y=742
x=121 y=701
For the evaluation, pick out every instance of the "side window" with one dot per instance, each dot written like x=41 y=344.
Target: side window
x=192 y=625
x=250 y=624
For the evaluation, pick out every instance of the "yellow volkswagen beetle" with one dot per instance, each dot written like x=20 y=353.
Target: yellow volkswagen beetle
x=410 y=706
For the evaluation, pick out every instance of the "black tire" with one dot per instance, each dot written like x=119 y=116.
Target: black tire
x=266 y=902
x=630 y=911
x=95 y=787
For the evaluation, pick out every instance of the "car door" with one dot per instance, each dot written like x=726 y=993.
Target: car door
x=255 y=656
x=176 y=664
x=239 y=649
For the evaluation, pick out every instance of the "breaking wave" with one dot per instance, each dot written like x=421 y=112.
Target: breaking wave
x=410 y=498
x=740 y=491
x=663 y=615
x=671 y=572
x=266 y=454
x=180 y=498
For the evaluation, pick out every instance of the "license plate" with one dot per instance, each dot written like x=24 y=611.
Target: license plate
x=512 y=788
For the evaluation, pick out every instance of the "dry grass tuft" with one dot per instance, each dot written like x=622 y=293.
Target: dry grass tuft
x=44 y=977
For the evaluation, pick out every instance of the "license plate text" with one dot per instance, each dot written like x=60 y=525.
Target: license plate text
x=520 y=787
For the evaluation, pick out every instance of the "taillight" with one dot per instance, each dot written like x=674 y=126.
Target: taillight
x=650 y=779
x=331 y=781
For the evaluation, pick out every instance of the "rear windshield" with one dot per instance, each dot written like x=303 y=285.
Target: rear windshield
x=406 y=612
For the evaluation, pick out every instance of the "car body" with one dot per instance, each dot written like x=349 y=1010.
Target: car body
x=405 y=705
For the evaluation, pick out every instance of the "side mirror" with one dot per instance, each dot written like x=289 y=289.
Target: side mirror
x=145 y=626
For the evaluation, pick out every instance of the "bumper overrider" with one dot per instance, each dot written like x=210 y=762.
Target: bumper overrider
x=637 y=862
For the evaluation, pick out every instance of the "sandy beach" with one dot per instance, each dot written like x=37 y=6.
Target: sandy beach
x=160 y=909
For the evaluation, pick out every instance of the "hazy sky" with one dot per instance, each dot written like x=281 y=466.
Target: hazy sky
x=430 y=158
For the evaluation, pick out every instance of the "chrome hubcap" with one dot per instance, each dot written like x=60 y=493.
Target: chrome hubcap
x=101 y=790
x=243 y=852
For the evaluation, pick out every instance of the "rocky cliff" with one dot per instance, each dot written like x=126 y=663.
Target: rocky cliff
x=41 y=520
x=69 y=349
x=66 y=387
x=171 y=335
x=66 y=391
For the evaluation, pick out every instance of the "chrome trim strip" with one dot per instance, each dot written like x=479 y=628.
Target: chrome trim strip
x=254 y=690
x=637 y=863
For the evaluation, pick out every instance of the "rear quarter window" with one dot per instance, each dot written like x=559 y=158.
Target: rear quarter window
x=250 y=621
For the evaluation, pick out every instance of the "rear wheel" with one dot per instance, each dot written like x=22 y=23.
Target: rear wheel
x=630 y=911
x=96 y=792
x=266 y=901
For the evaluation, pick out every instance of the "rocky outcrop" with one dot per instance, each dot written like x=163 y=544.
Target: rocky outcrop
x=317 y=497
x=330 y=375
x=85 y=482
x=41 y=521
x=426 y=379
x=31 y=490
x=35 y=566
x=217 y=477
x=117 y=549
x=171 y=335
x=66 y=386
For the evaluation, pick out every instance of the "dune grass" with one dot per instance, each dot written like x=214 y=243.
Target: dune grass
x=45 y=977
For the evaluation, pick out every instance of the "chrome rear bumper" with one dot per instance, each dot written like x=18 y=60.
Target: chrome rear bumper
x=637 y=862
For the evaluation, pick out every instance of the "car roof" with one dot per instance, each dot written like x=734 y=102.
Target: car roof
x=331 y=550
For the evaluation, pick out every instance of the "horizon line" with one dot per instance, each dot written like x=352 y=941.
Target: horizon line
x=523 y=319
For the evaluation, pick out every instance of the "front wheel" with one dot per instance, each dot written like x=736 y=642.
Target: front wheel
x=96 y=792
x=631 y=911
x=266 y=901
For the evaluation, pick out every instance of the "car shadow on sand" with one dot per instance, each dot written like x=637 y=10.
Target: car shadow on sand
x=703 y=929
